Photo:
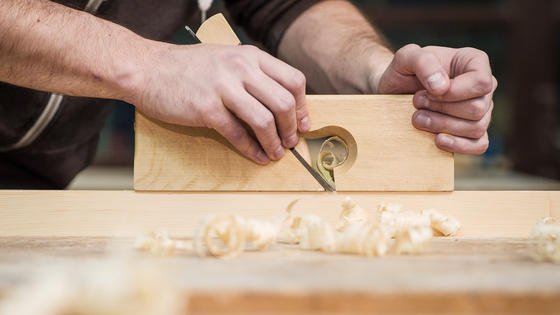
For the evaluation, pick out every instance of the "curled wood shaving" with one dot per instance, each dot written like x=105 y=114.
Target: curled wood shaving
x=316 y=234
x=387 y=215
x=220 y=236
x=259 y=234
x=546 y=240
x=394 y=220
x=351 y=214
x=412 y=239
x=363 y=239
x=408 y=219
x=333 y=153
x=410 y=230
x=446 y=225
x=227 y=236
x=289 y=231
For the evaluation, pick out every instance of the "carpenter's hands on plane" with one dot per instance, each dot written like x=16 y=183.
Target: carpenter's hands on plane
x=228 y=88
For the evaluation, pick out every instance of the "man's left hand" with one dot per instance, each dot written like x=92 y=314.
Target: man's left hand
x=452 y=89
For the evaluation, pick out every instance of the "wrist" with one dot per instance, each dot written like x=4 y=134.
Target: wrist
x=378 y=64
x=132 y=68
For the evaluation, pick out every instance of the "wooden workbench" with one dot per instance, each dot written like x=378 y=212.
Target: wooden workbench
x=454 y=276
x=487 y=270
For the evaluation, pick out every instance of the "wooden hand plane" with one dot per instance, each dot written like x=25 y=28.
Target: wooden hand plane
x=384 y=151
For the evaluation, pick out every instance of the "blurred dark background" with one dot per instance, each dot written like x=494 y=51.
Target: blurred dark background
x=520 y=36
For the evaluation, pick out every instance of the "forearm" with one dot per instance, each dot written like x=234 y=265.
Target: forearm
x=337 y=49
x=49 y=47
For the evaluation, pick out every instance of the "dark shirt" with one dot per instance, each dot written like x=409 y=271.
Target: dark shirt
x=68 y=144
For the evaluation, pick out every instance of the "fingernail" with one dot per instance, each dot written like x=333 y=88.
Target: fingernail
x=423 y=120
x=445 y=140
x=292 y=141
x=261 y=157
x=436 y=80
x=423 y=101
x=279 y=153
x=304 y=124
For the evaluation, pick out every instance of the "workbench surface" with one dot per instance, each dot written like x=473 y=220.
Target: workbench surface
x=459 y=276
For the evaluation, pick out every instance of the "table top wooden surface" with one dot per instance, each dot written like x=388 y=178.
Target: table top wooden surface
x=455 y=276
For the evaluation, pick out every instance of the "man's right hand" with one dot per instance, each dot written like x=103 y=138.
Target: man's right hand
x=229 y=89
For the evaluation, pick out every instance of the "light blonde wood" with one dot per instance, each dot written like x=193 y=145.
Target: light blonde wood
x=216 y=30
x=171 y=157
x=555 y=205
x=106 y=213
x=387 y=153
x=452 y=276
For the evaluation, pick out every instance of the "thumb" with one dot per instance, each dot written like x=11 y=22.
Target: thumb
x=425 y=66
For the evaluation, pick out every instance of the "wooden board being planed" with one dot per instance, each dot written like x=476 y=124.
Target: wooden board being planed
x=386 y=153
x=555 y=205
x=453 y=276
x=126 y=213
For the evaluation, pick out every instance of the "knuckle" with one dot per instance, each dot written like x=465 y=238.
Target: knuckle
x=250 y=49
x=236 y=135
x=495 y=82
x=483 y=84
x=208 y=111
x=425 y=59
x=475 y=52
x=407 y=49
x=483 y=146
x=239 y=63
x=286 y=104
x=481 y=54
x=297 y=81
x=477 y=109
x=223 y=86
x=265 y=122
x=479 y=129
x=247 y=149
x=216 y=122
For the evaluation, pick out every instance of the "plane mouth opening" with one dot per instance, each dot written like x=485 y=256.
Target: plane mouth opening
x=331 y=148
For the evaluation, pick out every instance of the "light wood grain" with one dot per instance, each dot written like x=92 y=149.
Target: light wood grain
x=453 y=276
x=107 y=213
x=386 y=152
x=555 y=205
x=391 y=155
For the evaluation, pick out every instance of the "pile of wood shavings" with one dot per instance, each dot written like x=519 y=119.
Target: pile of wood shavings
x=389 y=229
